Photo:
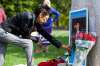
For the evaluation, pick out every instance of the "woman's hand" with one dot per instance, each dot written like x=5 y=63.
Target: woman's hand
x=66 y=47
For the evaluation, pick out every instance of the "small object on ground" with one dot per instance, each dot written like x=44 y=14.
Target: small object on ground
x=23 y=65
x=61 y=64
x=20 y=65
x=37 y=51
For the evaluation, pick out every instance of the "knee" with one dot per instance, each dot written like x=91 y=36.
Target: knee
x=29 y=43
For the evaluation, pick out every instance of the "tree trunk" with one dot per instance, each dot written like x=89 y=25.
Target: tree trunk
x=94 y=26
x=94 y=55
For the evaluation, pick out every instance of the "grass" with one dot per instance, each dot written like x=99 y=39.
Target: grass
x=15 y=55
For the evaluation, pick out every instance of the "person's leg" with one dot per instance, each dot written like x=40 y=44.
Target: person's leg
x=2 y=53
x=45 y=48
x=25 y=43
x=29 y=51
x=44 y=43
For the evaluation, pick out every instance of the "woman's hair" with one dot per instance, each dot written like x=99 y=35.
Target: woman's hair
x=45 y=10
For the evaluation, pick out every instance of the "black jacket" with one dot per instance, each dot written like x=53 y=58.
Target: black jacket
x=23 y=24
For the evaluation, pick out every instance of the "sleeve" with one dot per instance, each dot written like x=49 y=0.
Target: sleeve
x=4 y=15
x=56 y=13
x=51 y=39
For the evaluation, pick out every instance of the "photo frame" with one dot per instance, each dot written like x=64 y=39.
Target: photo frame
x=78 y=16
x=78 y=22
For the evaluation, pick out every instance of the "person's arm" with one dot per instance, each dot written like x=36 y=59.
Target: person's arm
x=46 y=2
x=55 y=13
x=4 y=15
x=51 y=39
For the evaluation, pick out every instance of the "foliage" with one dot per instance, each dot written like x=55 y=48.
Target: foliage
x=14 y=6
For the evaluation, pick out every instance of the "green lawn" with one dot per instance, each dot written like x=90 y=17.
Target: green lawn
x=15 y=55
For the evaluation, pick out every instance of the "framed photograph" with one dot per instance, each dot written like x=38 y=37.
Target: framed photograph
x=78 y=22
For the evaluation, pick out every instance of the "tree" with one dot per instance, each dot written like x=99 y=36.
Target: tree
x=94 y=56
x=94 y=18
x=14 y=6
x=63 y=6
